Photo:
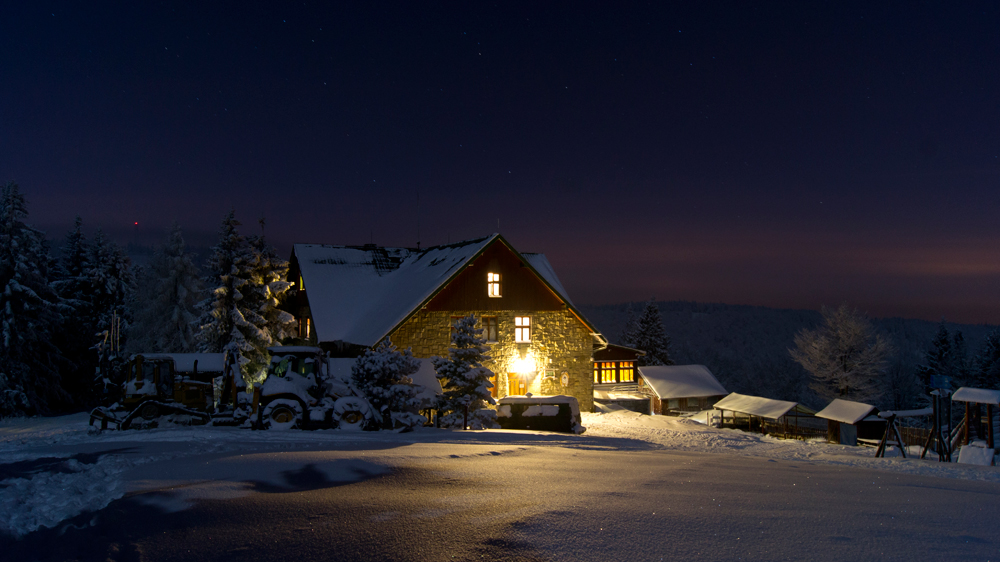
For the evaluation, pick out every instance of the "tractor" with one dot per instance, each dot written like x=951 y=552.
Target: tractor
x=189 y=388
x=301 y=391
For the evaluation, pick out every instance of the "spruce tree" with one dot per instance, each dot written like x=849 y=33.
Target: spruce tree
x=464 y=379
x=383 y=375
x=30 y=314
x=986 y=369
x=240 y=315
x=171 y=290
x=112 y=285
x=646 y=333
x=75 y=337
x=939 y=359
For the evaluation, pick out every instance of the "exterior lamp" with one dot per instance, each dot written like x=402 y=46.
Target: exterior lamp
x=524 y=365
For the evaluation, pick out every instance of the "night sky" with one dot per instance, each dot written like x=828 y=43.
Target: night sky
x=783 y=154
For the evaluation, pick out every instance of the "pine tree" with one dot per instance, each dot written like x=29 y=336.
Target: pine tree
x=383 y=375
x=171 y=291
x=75 y=337
x=986 y=370
x=466 y=383
x=30 y=314
x=845 y=356
x=939 y=360
x=269 y=286
x=646 y=333
x=240 y=316
x=112 y=285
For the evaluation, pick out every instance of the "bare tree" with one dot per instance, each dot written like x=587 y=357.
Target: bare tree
x=845 y=356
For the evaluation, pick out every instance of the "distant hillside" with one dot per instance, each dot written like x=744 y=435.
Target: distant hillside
x=746 y=347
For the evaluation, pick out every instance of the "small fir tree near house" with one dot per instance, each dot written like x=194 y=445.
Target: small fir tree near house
x=646 y=332
x=845 y=356
x=464 y=379
x=383 y=375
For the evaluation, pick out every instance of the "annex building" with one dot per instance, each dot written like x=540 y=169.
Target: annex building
x=348 y=298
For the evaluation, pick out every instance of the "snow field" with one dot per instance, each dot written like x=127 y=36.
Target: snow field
x=58 y=486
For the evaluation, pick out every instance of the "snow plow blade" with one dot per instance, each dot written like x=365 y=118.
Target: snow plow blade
x=103 y=415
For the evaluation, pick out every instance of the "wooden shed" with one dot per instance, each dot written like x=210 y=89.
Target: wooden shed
x=847 y=421
x=772 y=416
x=680 y=388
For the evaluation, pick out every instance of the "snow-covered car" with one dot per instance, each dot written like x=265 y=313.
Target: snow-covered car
x=542 y=413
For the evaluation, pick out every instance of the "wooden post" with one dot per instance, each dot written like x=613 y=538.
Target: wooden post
x=989 y=425
x=966 y=438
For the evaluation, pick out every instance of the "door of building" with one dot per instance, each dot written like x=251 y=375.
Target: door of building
x=517 y=385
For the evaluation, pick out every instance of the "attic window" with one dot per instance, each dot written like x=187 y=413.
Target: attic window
x=493 y=285
x=522 y=329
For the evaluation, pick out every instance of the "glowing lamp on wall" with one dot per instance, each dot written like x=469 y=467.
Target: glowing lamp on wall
x=524 y=365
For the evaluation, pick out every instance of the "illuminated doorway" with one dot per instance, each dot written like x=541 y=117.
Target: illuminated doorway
x=517 y=385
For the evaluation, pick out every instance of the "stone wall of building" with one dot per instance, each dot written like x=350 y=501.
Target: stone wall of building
x=560 y=345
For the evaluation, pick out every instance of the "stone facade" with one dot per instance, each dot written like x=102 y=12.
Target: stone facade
x=560 y=345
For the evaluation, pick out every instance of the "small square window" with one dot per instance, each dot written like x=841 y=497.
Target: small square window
x=522 y=329
x=493 y=285
x=490 y=329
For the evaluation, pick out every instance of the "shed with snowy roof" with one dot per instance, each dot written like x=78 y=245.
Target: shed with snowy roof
x=349 y=298
x=680 y=388
x=771 y=415
x=847 y=421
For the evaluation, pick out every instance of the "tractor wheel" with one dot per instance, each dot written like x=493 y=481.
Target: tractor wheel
x=282 y=414
x=149 y=411
x=351 y=412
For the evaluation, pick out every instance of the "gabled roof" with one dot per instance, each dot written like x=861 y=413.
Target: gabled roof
x=681 y=381
x=846 y=411
x=361 y=294
x=755 y=406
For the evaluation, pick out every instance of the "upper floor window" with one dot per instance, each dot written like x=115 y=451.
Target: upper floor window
x=493 y=284
x=490 y=328
x=522 y=328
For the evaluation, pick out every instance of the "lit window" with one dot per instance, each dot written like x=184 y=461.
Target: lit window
x=626 y=371
x=493 y=284
x=597 y=376
x=607 y=372
x=522 y=328
x=490 y=328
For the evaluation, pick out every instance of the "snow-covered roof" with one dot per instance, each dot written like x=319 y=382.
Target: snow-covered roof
x=359 y=295
x=681 y=381
x=184 y=362
x=845 y=411
x=755 y=406
x=976 y=395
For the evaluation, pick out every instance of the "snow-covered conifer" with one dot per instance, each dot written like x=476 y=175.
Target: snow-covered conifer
x=243 y=289
x=986 y=369
x=167 y=299
x=940 y=359
x=464 y=379
x=269 y=286
x=30 y=313
x=112 y=284
x=383 y=375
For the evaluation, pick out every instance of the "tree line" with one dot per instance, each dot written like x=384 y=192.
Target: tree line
x=60 y=317
x=756 y=350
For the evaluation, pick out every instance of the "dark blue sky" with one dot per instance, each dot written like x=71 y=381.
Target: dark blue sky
x=785 y=154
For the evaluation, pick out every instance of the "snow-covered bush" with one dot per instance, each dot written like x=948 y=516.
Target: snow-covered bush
x=466 y=383
x=383 y=376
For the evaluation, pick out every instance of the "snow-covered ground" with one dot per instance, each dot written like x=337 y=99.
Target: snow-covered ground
x=52 y=469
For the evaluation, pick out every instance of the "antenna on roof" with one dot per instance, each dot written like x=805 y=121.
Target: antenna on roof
x=418 y=220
